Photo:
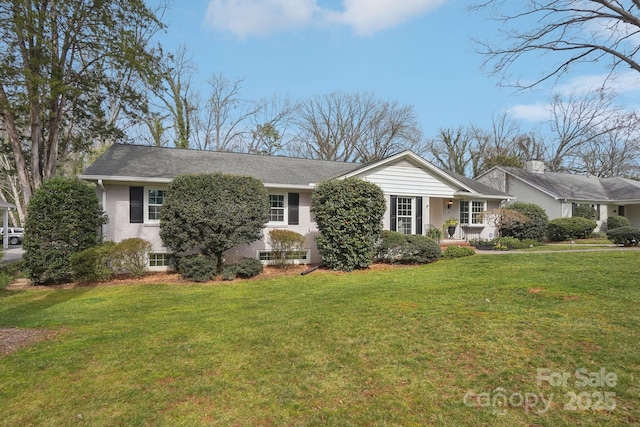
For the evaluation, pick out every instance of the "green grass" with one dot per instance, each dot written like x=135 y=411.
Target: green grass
x=399 y=347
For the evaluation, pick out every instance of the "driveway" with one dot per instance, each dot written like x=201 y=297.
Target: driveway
x=12 y=254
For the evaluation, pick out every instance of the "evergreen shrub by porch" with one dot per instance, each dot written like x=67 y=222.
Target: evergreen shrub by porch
x=349 y=216
x=534 y=229
x=616 y=221
x=560 y=229
x=628 y=236
x=64 y=218
x=394 y=247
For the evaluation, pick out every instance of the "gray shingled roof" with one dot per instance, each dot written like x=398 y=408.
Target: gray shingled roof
x=579 y=187
x=478 y=186
x=147 y=162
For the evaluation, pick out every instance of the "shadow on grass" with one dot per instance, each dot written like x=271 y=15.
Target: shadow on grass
x=41 y=301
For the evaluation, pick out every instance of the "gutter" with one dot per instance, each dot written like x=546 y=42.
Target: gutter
x=103 y=201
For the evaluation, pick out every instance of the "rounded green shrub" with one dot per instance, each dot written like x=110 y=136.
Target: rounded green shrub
x=627 y=236
x=560 y=229
x=457 y=252
x=388 y=247
x=229 y=272
x=198 y=268
x=132 y=255
x=211 y=213
x=395 y=247
x=349 y=216
x=248 y=267
x=94 y=264
x=64 y=218
x=616 y=221
x=585 y=211
x=534 y=229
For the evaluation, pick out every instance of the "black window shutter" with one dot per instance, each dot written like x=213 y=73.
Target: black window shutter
x=393 y=224
x=136 y=204
x=294 y=208
x=418 y=215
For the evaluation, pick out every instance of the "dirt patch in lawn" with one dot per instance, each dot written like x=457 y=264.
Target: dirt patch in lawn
x=13 y=339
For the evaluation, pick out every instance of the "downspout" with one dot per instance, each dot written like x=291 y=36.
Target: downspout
x=103 y=201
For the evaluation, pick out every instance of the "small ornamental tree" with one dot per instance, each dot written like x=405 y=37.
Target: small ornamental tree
x=64 y=218
x=211 y=213
x=349 y=216
x=502 y=218
x=534 y=228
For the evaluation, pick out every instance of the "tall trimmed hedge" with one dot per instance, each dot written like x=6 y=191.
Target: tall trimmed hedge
x=64 y=218
x=211 y=213
x=560 y=229
x=349 y=216
x=534 y=229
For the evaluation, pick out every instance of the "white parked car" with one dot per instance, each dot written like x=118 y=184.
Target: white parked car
x=16 y=234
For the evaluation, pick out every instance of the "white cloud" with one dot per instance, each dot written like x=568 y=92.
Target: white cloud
x=538 y=112
x=619 y=83
x=258 y=17
x=367 y=17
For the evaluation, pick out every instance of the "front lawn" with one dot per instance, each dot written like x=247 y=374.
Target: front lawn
x=522 y=339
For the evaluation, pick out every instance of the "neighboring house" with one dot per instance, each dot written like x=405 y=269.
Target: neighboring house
x=560 y=193
x=132 y=180
x=4 y=208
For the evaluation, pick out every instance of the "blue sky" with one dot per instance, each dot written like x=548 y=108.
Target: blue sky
x=415 y=52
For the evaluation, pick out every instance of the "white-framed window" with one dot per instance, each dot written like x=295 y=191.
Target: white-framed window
x=159 y=260
x=471 y=212
x=277 y=208
x=154 y=201
x=300 y=257
x=405 y=215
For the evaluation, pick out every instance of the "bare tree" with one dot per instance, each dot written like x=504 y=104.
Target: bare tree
x=353 y=127
x=575 y=32
x=616 y=152
x=224 y=116
x=578 y=122
x=271 y=126
x=456 y=149
x=175 y=101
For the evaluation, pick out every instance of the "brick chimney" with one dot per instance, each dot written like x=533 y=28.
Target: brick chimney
x=535 y=166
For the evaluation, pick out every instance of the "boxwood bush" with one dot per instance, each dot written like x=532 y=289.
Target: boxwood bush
x=616 y=221
x=534 y=229
x=560 y=229
x=394 y=247
x=198 y=268
x=628 y=236
x=349 y=216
